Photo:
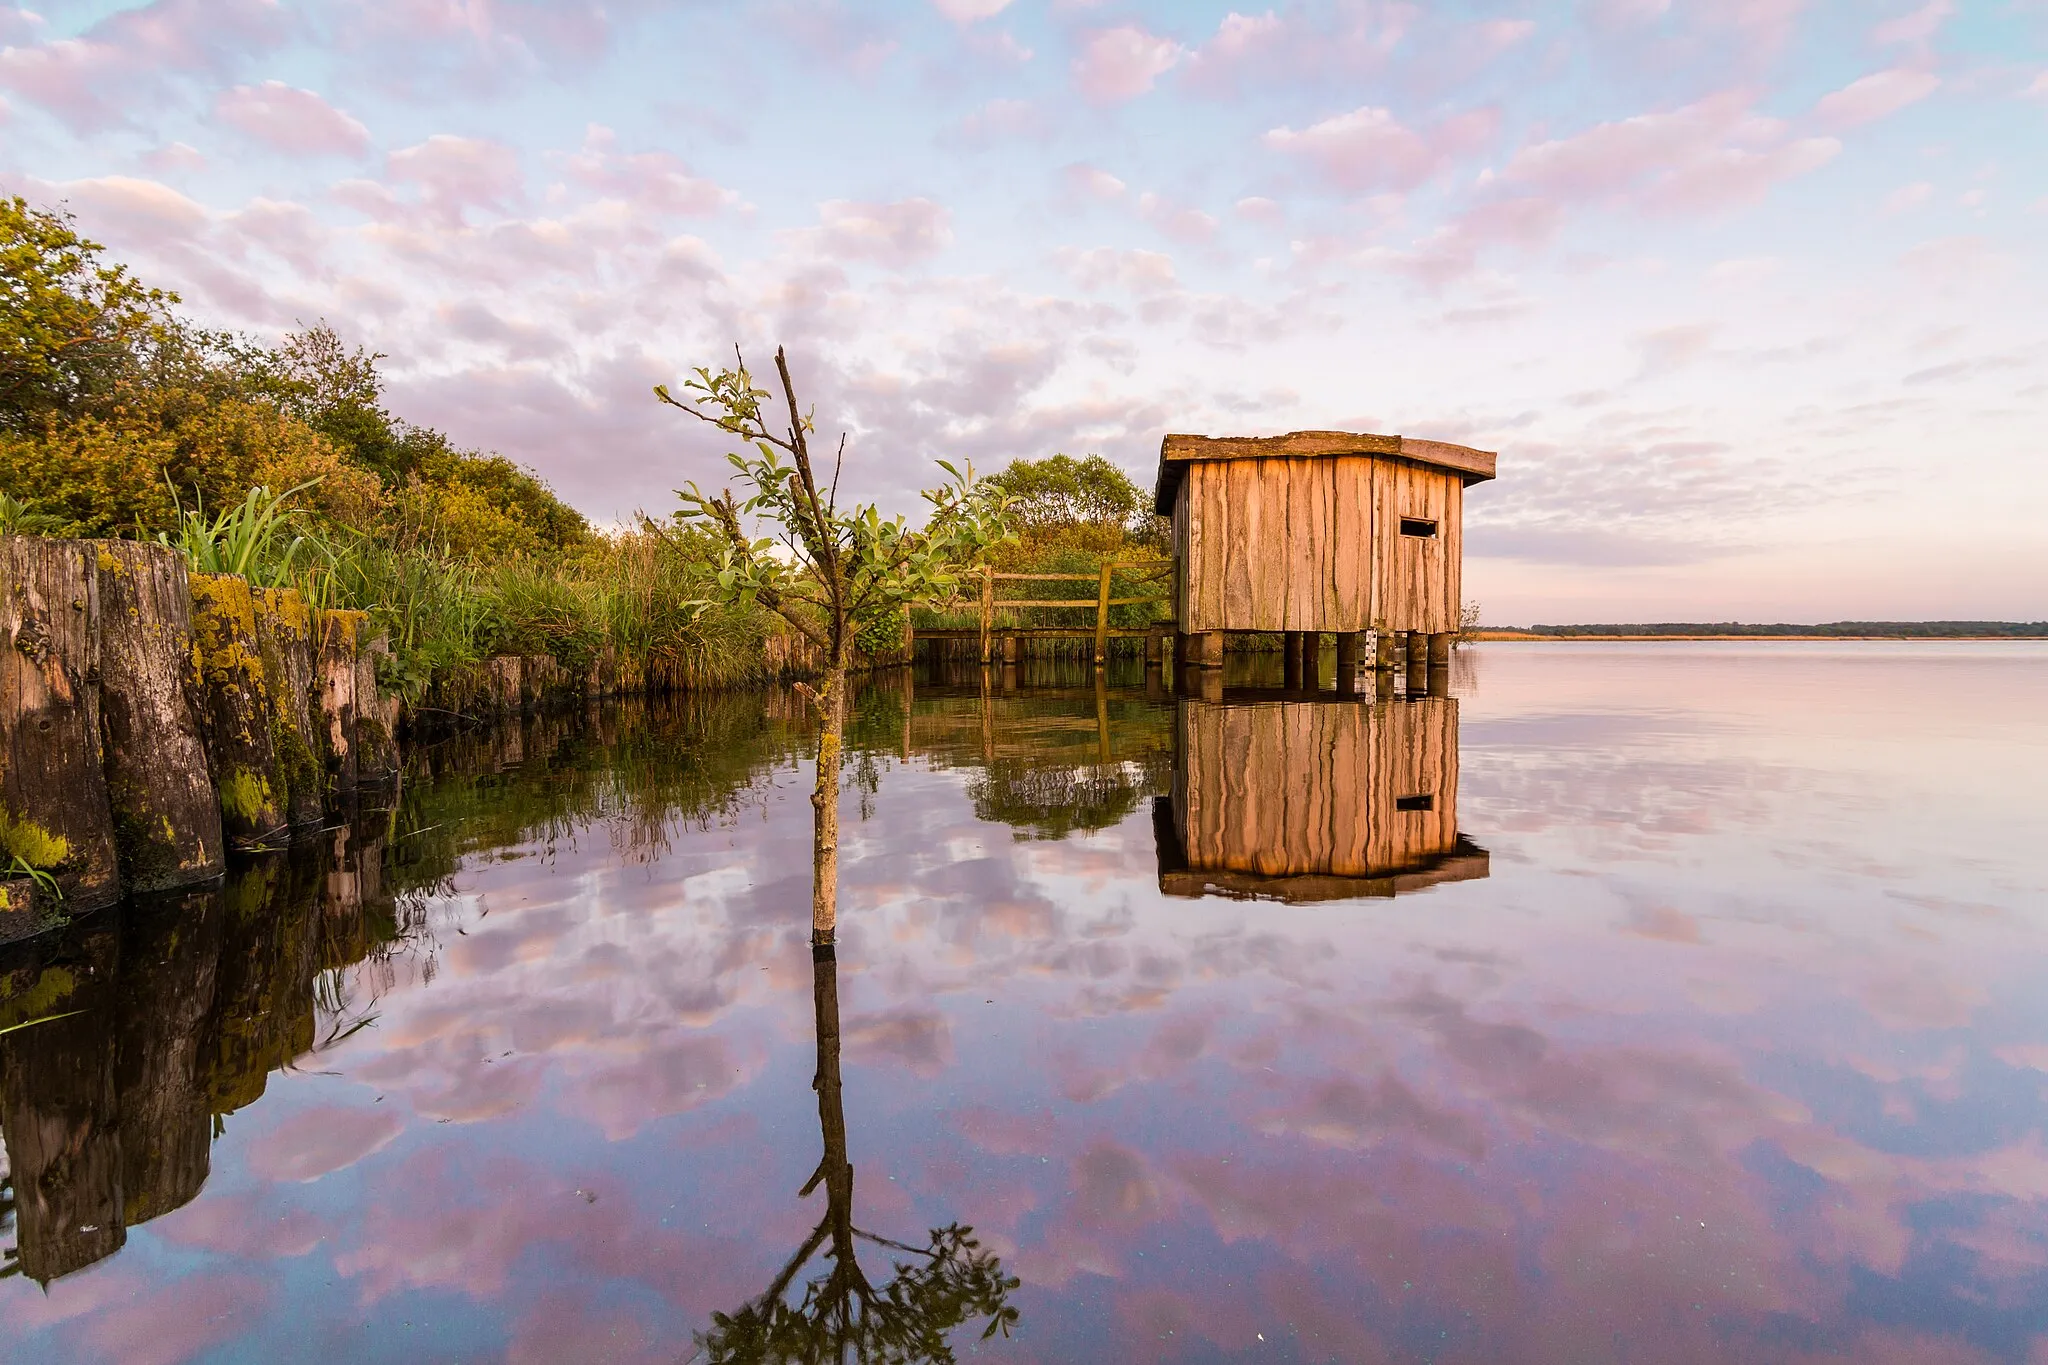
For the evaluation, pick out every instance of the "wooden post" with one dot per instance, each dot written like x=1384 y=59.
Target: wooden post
x=1347 y=663
x=284 y=633
x=1418 y=649
x=1009 y=650
x=166 y=817
x=1440 y=650
x=1386 y=652
x=1102 y=615
x=1312 y=660
x=988 y=608
x=1290 y=659
x=376 y=718
x=54 y=813
x=237 y=707
x=338 y=635
x=1204 y=649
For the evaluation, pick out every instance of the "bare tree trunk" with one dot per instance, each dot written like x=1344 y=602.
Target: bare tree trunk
x=166 y=816
x=831 y=705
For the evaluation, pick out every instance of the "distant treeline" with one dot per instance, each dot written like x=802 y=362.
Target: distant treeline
x=1903 y=630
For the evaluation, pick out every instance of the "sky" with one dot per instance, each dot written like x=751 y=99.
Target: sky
x=1748 y=294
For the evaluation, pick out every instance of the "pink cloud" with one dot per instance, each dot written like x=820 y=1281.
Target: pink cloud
x=1369 y=149
x=656 y=181
x=1260 y=209
x=970 y=11
x=89 y=82
x=1875 y=96
x=175 y=156
x=1908 y=197
x=19 y=26
x=132 y=206
x=1093 y=181
x=895 y=234
x=2039 y=89
x=1118 y=64
x=1917 y=26
x=291 y=120
x=1102 y=267
x=455 y=173
x=321 y=1141
x=1177 y=221
x=1708 y=155
x=1306 y=46
x=1001 y=120
x=1452 y=251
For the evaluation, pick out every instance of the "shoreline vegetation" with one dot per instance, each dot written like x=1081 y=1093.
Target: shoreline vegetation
x=1734 y=630
x=120 y=418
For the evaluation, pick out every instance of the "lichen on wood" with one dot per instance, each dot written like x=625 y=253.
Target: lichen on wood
x=238 y=710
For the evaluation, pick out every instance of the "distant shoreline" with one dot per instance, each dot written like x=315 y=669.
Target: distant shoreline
x=2012 y=633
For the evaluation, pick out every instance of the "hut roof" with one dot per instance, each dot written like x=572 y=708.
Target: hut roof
x=1176 y=452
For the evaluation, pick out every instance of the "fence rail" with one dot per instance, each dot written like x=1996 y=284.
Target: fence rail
x=1102 y=602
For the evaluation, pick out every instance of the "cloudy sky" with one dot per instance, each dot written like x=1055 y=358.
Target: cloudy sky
x=1748 y=293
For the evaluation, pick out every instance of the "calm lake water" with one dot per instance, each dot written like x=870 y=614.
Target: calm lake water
x=1666 y=1003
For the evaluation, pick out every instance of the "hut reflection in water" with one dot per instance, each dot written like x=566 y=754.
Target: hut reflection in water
x=1313 y=799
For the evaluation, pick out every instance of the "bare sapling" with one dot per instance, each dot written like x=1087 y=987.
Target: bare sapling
x=788 y=546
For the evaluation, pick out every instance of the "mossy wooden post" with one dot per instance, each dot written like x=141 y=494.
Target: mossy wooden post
x=237 y=707
x=376 y=718
x=284 y=632
x=54 y=812
x=166 y=814
x=337 y=634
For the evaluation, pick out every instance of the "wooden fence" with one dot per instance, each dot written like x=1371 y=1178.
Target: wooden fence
x=1103 y=632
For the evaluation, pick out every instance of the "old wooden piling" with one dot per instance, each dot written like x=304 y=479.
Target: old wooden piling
x=166 y=815
x=336 y=636
x=376 y=718
x=237 y=709
x=54 y=814
x=284 y=634
x=1347 y=663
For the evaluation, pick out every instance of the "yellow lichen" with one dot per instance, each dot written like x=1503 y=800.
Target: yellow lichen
x=245 y=795
x=30 y=842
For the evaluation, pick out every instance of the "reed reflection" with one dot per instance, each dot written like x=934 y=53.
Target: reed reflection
x=841 y=1314
x=1288 y=796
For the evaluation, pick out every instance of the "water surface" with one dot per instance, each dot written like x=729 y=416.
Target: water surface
x=1673 y=1002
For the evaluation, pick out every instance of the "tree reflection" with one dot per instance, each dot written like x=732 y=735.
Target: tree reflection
x=842 y=1315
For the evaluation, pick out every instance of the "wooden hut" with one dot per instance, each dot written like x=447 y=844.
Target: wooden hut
x=1317 y=532
x=1314 y=800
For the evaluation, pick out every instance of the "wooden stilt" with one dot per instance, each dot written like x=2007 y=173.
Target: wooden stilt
x=1440 y=650
x=1290 y=654
x=1347 y=663
x=1386 y=650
